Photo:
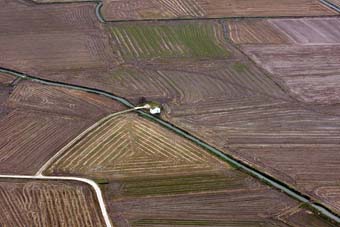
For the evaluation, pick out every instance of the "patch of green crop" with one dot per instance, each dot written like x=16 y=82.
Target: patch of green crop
x=101 y=181
x=239 y=67
x=193 y=40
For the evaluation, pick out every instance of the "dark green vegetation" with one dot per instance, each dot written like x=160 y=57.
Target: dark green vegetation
x=239 y=67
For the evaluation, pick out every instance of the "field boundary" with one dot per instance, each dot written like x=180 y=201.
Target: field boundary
x=330 y=5
x=81 y=136
x=264 y=177
x=101 y=18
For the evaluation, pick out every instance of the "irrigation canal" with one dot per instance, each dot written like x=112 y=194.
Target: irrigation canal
x=322 y=209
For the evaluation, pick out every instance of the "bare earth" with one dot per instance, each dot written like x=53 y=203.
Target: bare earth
x=154 y=177
x=48 y=203
x=172 y=9
x=39 y=120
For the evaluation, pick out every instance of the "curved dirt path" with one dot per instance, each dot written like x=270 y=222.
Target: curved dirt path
x=87 y=181
x=275 y=183
x=81 y=135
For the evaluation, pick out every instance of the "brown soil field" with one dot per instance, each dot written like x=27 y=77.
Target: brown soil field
x=254 y=31
x=63 y=101
x=190 y=89
x=232 y=102
x=309 y=31
x=308 y=65
x=151 y=9
x=30 y=138
x=130 y=146
x=236 y=208
x=6 y=79
x=48 y=203
x=166 y=9
x=54 y=40
x=275 y=136
x=311 y=72
x=153 y=177
x=250 y=8
x=39 y=120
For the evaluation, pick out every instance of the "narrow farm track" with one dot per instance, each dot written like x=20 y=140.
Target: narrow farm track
x=95 y=126
x=228 y=158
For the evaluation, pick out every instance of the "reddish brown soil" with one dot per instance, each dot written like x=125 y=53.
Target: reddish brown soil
x=160 y=9
x=309 y=67
x=216 y=8
x=153 y=177
x=292 y=143
x=255 y=31
x=48 y=203
x=40 y=120
x=6 y=79
x=235 y=105
x=54 y=40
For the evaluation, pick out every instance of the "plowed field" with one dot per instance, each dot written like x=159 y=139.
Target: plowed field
x=152 y=177
x=39 y=120
x=310 y=31
x=54 y=40
x=48 y=203
x=129 y=146
x=309 y=67
x=255 y=32
x=166 y=9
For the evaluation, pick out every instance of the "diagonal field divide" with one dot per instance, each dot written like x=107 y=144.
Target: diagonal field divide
x=331 y=5
x=289 y=190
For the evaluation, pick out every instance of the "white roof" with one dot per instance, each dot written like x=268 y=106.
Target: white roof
x=155 y=110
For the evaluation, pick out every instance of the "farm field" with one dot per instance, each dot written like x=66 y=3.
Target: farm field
x=256 y=79
x=233 y=104
x=37 y=120
x=165 y=9
x=48 y=203
x=310 y=31
x=177 y=40
x=308 y=66
x=205 y=89
x=255 y=31
x=55 y=41
x=184 y=75
x=152 y=177
x=275 y=136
